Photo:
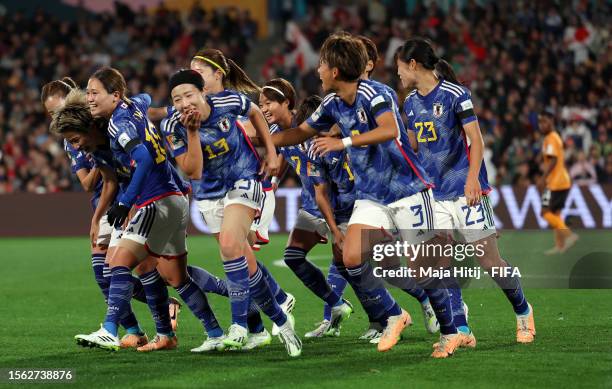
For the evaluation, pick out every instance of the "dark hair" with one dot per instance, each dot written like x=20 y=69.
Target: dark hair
x=112 y=80
x=308 y=106
x=76 y=116
x=186 y=76
x=288 y=92
x=57 y=87
x=233 y=75
x=444 y=70
x=346 y=53
x=420 y=50
x=371 y=50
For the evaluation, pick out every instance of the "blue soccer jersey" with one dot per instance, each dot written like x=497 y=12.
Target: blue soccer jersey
x=81 y=160
x=128 y=127
x=384 y=172
x=337 y=174
x=306 y=167
x=228 y=153
x=437 y=121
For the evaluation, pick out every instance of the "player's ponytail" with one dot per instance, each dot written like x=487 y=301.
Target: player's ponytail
x=57 y=88
x=420 y=50
x=232 y=75
x=444 y=70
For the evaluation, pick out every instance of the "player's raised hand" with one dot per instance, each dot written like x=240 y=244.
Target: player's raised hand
x=191 y=120
x=324 y=145
x=473 y=191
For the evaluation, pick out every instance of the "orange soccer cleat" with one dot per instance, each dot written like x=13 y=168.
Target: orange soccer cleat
x=161 y=342
x=525 y=327
x=133 y=340
x=393 y=330
x=446 y=346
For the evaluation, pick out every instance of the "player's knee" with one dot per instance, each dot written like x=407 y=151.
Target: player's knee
x=229 y=246
x=351 y=256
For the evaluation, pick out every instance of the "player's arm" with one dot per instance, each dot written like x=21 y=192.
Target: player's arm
x=282 y=170
x=413 y=141
x=88 y=178
x=293 y=136
x=324 y=204
x=473 y=190
x=191 y=160
x=263 y=133
x=157 y=114
x=109 y=191
x=549 y=151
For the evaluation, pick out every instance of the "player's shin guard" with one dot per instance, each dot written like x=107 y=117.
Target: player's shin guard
x=157 y=300
x=310 y=275
x=208 y=282
x=456 y=300
x=119 y=296
x=129 y=322
x=278 y=293
x=511 y=286
x=375 y=299
x=97 y=264
x=337 y=283
x=197 y=302
x=440 y=302
x=262 y=295
x=237 y=272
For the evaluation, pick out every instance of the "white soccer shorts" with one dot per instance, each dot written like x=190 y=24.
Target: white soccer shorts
x=472 y=223
x=161 y=227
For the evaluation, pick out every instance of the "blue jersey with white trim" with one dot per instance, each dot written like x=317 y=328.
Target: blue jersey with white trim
x=437 y=120
x=81 y=160
x=228 y=154
x=384 y=172
x=337 y=174
x=306 y=167
x=129 y=125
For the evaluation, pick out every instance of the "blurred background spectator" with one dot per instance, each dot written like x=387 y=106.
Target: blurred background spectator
x=515 y=56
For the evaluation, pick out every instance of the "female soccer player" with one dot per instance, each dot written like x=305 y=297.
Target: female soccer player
x=392 y=188
x=157 y=229
x=277 y=101
x=441 y=114
x=53 y=96
x=218 y=153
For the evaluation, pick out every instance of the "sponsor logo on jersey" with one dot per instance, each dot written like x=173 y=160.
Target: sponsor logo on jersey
x=437 y=109
x=361 y=115
x=224 y=125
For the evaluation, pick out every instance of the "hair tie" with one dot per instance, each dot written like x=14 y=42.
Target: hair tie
x=275 y=89
x=210 y=61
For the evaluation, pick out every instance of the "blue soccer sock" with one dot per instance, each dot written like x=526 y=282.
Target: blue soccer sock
x=337 y=283
x=262 y=295
x=456 y=300
x=119 y=295
x=440 y=302
x=376 y=300
x=278 y=293
x=157 y=300
x=409 y=286
x=97 y=264
x=208 y=282
x=310 y=275
x=129 y=322
x=237 y=272
x=197 y=302
x=511 y=286
x=254 y=322
x=139 y=293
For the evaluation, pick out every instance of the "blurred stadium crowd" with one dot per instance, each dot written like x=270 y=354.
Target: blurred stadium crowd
x=517 y=57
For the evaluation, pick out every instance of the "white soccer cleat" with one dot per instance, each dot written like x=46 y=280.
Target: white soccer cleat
x=569 y=242
x=466 y=311
x=101 y=339
x=237 y=336
x=289 y=338
x=320 y=331
x=431 y=322
x=338 y=315
x=286 y=307
x=257 y=340
x=375 y=336
x=374 y=331
x=211 y=344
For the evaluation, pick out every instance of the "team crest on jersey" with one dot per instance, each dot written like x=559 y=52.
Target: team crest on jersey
x=225 y=125
x=361 y=115
x=437 y=109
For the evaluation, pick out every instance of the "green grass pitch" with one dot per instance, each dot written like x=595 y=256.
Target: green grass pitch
x=48 y=295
